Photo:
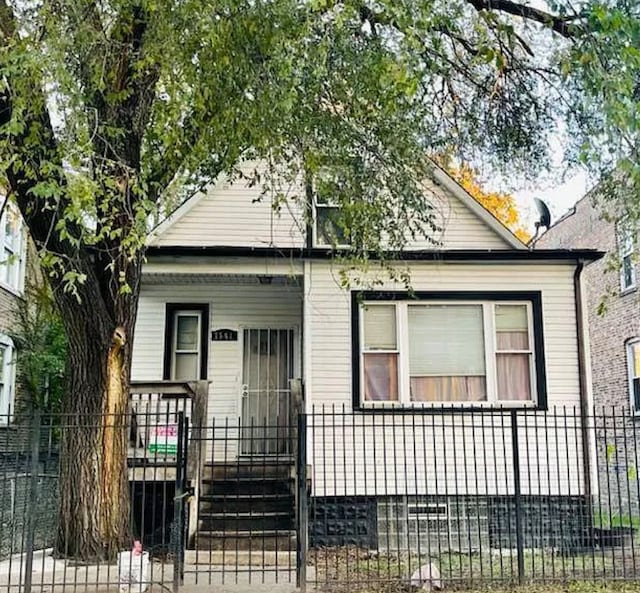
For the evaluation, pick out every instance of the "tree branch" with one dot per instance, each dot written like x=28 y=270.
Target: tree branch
x=561 y=25
x=33 y=149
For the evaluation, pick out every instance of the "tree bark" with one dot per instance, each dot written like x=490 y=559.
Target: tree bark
x=94 y=513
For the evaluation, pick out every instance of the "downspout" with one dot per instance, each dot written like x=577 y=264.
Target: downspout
x=582 y=378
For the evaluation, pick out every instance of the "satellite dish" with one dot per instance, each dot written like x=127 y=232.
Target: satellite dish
x=543 y=213
x=544 y=219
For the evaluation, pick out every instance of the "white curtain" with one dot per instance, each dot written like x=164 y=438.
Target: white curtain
x=446 y=353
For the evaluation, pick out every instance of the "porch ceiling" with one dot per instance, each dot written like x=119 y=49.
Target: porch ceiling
x=264 y=279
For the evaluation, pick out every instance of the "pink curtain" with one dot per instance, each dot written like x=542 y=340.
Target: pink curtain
x=514 y=383
x=513 y=340
x=448 y=389
x=381 y=377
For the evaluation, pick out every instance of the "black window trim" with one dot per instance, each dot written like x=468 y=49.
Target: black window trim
x=170 y=310
x=534 y=297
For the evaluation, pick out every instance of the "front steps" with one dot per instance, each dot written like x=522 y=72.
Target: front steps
x=246 y=506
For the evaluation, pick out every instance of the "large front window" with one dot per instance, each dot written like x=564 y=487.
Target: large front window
x=419 y=352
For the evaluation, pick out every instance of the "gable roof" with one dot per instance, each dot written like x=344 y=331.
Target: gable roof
x=439 y=177
x=443 y=178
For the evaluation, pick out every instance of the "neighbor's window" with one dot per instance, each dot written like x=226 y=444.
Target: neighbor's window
x=447 y=352
x=13 y=247
x=633 y=365
x=626 y=249
x=7 y=378
x=186 y=357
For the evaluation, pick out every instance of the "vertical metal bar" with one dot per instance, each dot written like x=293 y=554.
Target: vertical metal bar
x=33 y=498
x=303 y=511
x=177 y=508
x=517 y=494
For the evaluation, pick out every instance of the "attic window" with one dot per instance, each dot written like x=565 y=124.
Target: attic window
x=328 y=230
x=329 y=184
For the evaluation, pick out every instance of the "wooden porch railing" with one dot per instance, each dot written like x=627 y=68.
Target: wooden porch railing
x=155 y=406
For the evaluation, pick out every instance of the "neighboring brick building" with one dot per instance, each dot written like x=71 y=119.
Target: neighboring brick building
x=613 y=297
x=18 y=268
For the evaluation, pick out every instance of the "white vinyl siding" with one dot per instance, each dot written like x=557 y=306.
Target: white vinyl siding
x=233 y=304
x=237 y=215
x=460 y=227
x=439 y=439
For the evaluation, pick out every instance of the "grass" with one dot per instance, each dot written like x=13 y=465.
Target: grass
x=573 y=587
x=605 y=520
x=354 y=570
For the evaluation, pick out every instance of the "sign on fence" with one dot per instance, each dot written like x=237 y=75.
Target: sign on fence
x=163 y=439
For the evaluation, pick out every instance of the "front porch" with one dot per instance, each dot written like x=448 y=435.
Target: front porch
x=234 y=484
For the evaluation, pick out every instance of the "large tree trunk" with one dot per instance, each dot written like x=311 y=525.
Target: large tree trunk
x=94 y=513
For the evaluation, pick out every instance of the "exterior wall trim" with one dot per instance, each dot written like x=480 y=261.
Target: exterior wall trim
x=459 y=255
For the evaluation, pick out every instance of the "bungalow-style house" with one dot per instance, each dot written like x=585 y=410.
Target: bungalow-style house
x=249 y=299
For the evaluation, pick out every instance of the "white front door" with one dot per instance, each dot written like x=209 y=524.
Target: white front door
x=268 y=365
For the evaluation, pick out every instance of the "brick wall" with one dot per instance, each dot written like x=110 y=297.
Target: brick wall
x=614 y=317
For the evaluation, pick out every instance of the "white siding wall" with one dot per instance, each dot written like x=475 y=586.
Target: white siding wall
x=232 y=306
x=462 y=229
x=346 y=463
x=234 y=215
x=239 y=216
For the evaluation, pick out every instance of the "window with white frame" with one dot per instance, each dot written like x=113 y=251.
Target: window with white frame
x=7 y=378
x=633 y=366
x=626 y=249
x=186 y=349
x=329 y=229
x=13 y=246
x=418 y=352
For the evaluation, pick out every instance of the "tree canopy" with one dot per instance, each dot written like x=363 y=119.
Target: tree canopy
x=109 y=108
x=111 y=111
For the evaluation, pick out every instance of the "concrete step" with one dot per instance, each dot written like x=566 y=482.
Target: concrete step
x=248 y=485
x=252 y=521
x=255 y=558
x=271 y=468
x=250 y=540
x=241 y=503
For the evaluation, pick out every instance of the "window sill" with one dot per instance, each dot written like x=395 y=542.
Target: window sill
x=439 y=408
x=12 y=289
x=629 y=290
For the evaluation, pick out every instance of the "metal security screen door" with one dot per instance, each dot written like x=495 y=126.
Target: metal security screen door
x=268 y=365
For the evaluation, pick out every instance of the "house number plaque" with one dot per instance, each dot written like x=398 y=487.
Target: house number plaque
x=224 y=335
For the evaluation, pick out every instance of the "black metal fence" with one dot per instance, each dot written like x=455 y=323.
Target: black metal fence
x=335 y=500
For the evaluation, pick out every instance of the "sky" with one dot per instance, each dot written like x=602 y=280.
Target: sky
x=559 y=196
